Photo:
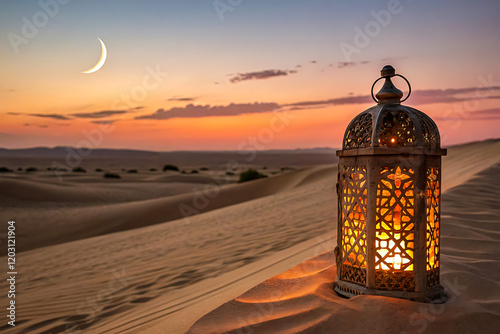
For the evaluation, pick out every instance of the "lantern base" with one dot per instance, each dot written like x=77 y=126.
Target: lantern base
x=433 y=295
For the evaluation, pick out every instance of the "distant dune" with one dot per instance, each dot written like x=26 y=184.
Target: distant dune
x=145 y=159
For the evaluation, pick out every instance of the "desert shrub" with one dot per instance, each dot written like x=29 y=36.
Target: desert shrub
x=230 y=173
x=20 y=169
x=109 y=175
x=98 y=170
x=152 y=169
x=170 y=167
x=49 y=168
x=265 y=167
x=194 y=171
x=286 y=168
x=5 y=170
x=183 y=172
x=132 y=171
x=31 y=169
x=204 y=168
x=250 y=174
x=79 y=170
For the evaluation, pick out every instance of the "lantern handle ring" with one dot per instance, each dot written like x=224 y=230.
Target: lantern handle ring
x=397 y=75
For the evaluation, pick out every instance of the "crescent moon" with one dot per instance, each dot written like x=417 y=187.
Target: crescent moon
x=102 y=60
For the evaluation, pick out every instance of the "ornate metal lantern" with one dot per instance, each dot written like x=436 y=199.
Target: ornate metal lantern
x=388 y=188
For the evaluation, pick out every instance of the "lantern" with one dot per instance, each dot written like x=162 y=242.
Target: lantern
x=389 y=183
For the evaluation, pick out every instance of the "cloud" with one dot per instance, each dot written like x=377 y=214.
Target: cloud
x=345 y=64
x=342 y=64
x=105 y=122
x=337 y=101
x=483 y=114
x=181 y=99
x=495 y=111
x=197 y=111
x=429 y=96
x=54 y=116
x=99 y=114
x=418 y=97
x=259 y=75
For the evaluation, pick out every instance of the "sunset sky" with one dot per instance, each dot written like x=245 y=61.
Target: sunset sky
x=230 y=74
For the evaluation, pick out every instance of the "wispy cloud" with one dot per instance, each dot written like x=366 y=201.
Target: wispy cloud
x=181 y=99
x=337 y=101
x=260 y=75
x=53 y=116
x=482 y=114
x=197 y=111
x=495 y=111
x=343 y=64
x=105 y=122
x=418 y=97
x=99 y=114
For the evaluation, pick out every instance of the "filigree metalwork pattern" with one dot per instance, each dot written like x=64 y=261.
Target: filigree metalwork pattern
x=398 y=280
x=359 y=134
x=394 y=239
x=397 y=129
x=432 y=213
x=353 y=224
x=353 y=274
x=429 y=131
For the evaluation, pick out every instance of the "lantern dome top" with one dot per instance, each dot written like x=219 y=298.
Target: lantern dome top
x=391 y=128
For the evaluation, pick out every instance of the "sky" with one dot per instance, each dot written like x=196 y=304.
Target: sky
x=239 y=74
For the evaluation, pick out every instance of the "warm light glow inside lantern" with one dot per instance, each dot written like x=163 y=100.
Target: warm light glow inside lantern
x=389 y=193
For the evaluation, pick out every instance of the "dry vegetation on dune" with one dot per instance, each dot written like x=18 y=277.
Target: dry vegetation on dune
x=116 y=256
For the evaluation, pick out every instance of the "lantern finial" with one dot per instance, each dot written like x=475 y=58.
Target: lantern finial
x=389 y=94
x=388 y=71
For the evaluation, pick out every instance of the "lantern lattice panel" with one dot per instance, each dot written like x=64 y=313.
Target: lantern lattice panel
x=359 y=134
x=353 y=228
x=432 y=237
x=397 y=129
x=430 y=136
x=394 y=239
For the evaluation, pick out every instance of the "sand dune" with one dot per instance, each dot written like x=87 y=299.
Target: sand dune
x=161 y=278
x=301 y=300
x=94 y=213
